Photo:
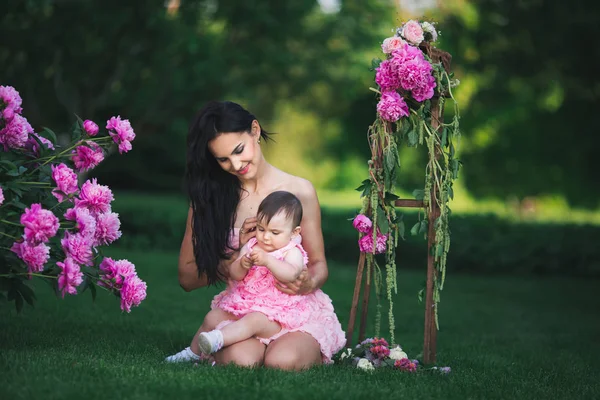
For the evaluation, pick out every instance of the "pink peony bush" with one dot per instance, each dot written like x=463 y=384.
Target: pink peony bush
x=51 y=227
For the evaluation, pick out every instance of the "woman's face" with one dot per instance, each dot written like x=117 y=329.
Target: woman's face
x=238 y=153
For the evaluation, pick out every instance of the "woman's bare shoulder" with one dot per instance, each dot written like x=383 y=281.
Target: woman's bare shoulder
x=302 y=188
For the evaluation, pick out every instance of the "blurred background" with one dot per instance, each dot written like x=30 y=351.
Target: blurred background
x=527 y=197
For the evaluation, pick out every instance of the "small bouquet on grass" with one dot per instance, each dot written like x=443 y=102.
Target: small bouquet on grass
x=51 y=226
x=375 y=352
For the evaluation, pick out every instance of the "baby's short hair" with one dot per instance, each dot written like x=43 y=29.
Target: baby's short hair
x=280 y=201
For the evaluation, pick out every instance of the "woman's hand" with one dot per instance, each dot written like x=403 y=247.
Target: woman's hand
x=247 y=231
x=303 y=285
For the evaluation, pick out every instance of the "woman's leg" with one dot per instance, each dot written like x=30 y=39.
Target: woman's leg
x=249 y=353
x=293 y=351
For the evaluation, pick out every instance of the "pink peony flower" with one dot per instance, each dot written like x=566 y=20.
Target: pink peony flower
x=413 y=33
x=380 y=342
x=366 y=245
x=114 y=273
x=10 y=102
x=392 y=43
x=406 y=53
x=87 y=157
x=70 y=277
x=14 y=135
x=380 y=351
x=33 y=146
x=362 y=223
x=94 y=197
x=132 y=292
x=107 y=228
x=35 y=256
x=121 y=132
x=1 y=196
x=416 y=75
x=386 y=76
x=40 y=225
x=78 y=247
x=66 y=181
x=85 y=221
x=392 y=107
x=90 y=127
x=405 y=365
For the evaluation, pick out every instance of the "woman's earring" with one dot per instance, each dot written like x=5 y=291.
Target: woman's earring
x=258 y=141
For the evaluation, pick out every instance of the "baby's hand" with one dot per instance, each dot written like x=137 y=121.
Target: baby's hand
x=259 y=257
x=246 y=261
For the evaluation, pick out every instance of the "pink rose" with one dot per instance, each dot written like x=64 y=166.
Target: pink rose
x=392 y=43
x=413 y=33
x=85 y=221
x=107 y=228
x=90 y=127
x=362 y=223
x=15 y=133
x=121 y=132
x=114 y=273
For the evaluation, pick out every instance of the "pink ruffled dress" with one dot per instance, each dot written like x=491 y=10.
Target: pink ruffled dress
x=312 y=313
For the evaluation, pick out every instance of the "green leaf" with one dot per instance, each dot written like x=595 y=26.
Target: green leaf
x=390 y=198
x=401 y=229
x=18 y=302
x=415 y=229
x=444 y=137
x=375 y=63
x=382 y=222
x=423 y=227
x=413 y=138
x=420 y=295
x=93 y=290
x=16 y=172
x=50 y=133
x=9 y=165
x=27 y=294
x=419 y=194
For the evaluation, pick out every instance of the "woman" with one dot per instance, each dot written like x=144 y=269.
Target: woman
x=227 y=178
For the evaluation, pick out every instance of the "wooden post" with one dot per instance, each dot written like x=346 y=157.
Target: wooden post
x=365 y=306
x=357 y=284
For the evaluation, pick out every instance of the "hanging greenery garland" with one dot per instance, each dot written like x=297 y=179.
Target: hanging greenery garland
x=414 y=83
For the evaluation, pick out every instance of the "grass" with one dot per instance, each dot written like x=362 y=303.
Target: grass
x=504 y=337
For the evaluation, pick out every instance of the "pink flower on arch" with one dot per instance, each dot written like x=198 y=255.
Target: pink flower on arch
x=70 y=276
x=392 y=107
x=386 y=76
x=362 y=223
x=88 y=156
x=366 y=245
x=40 y=225
x=133 y=292
x=66 y=181
x=95 y=197
x=392 y=43
x=34 y=256
x=107 y=228
x=413 y=32
x=121 y=132
x=78 y=247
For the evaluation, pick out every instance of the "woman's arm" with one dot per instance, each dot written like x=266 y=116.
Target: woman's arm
x=188 y=270
x=312 y=241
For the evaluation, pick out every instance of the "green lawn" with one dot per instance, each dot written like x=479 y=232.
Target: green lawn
x=504 y=337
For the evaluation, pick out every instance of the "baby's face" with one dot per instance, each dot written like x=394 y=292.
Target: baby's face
x=275 y=234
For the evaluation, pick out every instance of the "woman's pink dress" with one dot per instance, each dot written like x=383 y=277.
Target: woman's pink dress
x=312 y=313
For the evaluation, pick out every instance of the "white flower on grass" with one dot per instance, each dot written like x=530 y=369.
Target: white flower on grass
x=346 y=354
x=365 y=364
x=397 y=354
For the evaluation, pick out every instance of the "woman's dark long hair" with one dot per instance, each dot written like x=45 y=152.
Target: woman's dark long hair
x=213 y=192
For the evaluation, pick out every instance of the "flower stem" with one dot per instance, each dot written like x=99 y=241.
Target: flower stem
x=7 y=235
x=10 y=223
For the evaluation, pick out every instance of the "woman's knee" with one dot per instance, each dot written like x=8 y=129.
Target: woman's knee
x=293 y=352
x=249 y=353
